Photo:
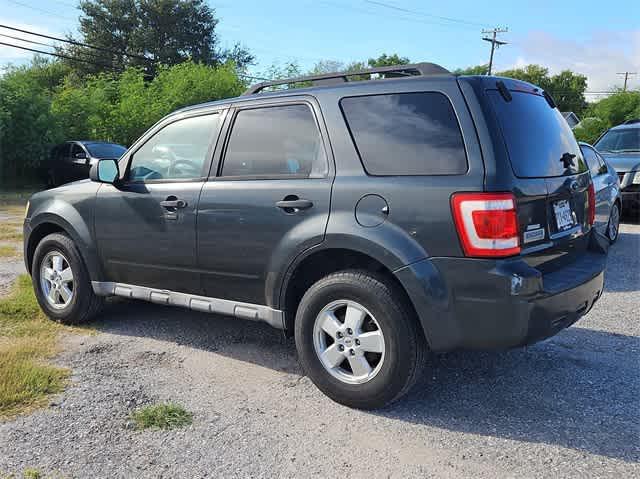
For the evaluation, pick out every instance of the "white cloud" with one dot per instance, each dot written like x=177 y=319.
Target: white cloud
x=599 y=56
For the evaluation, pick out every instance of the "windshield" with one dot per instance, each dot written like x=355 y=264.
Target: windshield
x=620 y=141
x=538 y=138
x=105 y=150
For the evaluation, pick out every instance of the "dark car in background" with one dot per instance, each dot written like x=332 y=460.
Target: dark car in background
x=607 y=189
x=620 y=146
x=72 y=160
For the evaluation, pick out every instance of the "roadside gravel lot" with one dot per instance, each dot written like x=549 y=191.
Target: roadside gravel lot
x=568 y=407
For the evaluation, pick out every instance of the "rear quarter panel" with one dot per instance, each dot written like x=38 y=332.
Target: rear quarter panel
x=419 y=223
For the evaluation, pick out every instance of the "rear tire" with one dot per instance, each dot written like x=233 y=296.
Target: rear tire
x=61 y=281
x=387 y=338
x=613 y=226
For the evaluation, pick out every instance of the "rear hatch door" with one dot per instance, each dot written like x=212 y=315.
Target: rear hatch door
x=550 y=177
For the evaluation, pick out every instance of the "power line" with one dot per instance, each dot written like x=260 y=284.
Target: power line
x=414 y=12
x=25 y=40
x=59 y=55
x=73 y=42
x=34 y=42
x=495 y=43
x=626 y=77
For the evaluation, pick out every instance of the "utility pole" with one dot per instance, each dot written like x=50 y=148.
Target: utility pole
x=626 y=77
x=495 y=43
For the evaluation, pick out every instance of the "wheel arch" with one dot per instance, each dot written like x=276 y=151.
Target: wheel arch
x=47 y=223
x=323 y=260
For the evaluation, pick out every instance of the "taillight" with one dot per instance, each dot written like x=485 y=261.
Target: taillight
x=487 y=223
x=592 y=204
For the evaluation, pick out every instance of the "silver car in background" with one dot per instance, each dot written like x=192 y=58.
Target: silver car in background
x=620 y=146
x=607 y=187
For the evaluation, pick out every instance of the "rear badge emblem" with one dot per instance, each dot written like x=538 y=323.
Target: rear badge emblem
x=533 y=235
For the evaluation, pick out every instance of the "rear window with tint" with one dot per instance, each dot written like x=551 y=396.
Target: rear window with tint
x=538 y=138
x=406 y=134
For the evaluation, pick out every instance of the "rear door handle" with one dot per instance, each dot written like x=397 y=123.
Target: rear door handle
x=294 y=205
x=173 y=202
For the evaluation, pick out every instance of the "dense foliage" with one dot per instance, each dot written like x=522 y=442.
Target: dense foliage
x=44 y=104
x=608 y=112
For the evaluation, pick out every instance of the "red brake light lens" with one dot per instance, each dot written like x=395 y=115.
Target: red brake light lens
x=495 y=224
x=487 y=223
x=592 y=204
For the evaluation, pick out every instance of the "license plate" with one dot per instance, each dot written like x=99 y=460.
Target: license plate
x=564 y=217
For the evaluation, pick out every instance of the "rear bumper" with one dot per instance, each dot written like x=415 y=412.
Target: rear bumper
x=466 y=303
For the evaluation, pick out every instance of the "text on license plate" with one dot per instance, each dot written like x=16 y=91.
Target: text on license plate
x=564 y=217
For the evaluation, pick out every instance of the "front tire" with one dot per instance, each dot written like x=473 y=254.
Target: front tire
x=61 y=281
x=358 y=340
x=613 y=226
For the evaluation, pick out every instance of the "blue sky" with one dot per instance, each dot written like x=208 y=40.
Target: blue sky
x=586 y=36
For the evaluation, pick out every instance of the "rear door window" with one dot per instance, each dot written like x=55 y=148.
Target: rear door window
x=275 y=142
x=406 y=134
x=538 y=138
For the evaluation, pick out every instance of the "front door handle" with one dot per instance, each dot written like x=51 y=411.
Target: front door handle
x=173 y=202
x=293 y=204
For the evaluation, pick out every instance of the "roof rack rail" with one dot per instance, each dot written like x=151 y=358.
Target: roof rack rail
x=395 y=71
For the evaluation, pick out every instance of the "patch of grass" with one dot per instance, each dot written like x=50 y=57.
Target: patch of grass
x=10 y=232
x=27 y=339
x=7 y=251
x=12 y=209
x=31 y=473
x=162 y=416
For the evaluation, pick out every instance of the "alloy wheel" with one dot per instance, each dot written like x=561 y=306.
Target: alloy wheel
x=349 y=342
x=614 y=222
x=56 y=280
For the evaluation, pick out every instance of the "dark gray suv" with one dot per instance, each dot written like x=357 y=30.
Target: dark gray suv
x=374 y=220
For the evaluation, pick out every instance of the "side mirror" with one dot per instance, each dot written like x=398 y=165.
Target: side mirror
x=81 y=155
x=105 y=171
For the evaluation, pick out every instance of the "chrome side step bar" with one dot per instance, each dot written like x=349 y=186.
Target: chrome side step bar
x=255 y=312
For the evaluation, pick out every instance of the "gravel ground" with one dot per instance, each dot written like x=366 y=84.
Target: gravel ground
x=10 y=268
x=567 y=407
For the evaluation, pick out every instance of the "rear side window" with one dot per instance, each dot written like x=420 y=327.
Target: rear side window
x=593 y=162
x=278 y=141
x=538 y=138
x=406 y=134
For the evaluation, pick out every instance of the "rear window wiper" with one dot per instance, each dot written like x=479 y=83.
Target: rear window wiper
x=549 y=99
x=504 y=92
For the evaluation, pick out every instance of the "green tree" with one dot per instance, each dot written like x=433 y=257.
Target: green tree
x=385 y=60
x=617 y=108
x=567 y=89
x=121 y=107
x=152 y=32
x=25 y=121
x=535 y=74
x=475 y=70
